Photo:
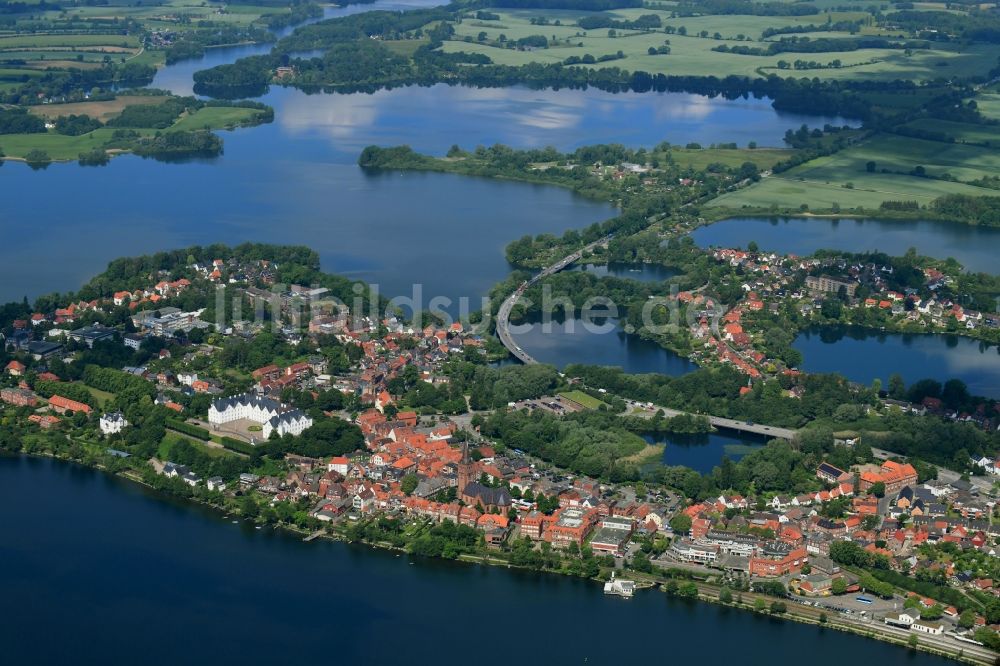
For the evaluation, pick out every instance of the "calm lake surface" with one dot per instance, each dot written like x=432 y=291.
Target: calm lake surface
x=599 y=342
x=296 y=181
x=637 y=272
x=705 y=451
x=974 y=247
x=863 y=356
x=119 y=570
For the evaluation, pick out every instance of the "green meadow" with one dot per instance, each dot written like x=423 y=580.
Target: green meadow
x=843 y=179
x=692 y=54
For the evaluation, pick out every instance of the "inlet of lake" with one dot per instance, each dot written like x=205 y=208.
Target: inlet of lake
x=973 y=247
x=863 y=356
x=121 y=570
x=702 y=452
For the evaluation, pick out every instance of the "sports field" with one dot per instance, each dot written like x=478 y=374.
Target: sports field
x=581 y=398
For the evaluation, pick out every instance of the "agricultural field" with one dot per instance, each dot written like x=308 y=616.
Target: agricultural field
x=988 y=135
x=843 y=179
x=173 y=14
x=103 y=111
x=765 y=158
x=989 y=102
x=111 y=42
x=692 y=54
x=136 y=33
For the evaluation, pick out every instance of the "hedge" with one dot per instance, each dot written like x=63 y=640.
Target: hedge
x=238 y=445
x=187 y=429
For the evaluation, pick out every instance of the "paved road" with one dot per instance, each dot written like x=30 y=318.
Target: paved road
x=503 y=316
x=721 y=422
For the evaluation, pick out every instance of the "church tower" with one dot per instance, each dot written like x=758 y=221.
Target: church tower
x=465 y=469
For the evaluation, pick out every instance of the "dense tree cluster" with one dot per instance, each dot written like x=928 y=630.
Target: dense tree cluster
x=327 y=437
x=19 y=121
x=592 y=443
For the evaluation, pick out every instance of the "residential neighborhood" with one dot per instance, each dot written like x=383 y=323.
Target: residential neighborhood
x=358 y=428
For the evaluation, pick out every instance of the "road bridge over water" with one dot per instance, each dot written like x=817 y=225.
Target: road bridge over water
x=503 y=331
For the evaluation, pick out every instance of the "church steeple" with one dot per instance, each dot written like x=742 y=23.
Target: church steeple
x=464 y=469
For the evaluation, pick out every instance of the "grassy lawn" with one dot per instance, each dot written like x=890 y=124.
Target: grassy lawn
x=171 y=437
x=581 y=398
x=693 y=55
x=404 y=47
x=214 y=118
x=102 y=397
x=58 y=146
x=825 y=181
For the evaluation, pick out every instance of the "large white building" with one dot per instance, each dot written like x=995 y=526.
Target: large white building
x=113 y=423
x=271 y=414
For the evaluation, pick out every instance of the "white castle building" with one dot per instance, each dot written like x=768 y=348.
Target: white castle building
x=271 y=414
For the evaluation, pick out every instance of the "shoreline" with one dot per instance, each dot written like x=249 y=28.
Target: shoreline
x=707 y=592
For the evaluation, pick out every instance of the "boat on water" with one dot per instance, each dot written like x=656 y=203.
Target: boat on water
x=619 y=587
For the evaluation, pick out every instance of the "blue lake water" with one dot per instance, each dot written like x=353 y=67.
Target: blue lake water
x=111 y=569
x=974 y=247
x=638 y=272
x=864 y=356
x=120 y=570
x=703 y=452
x=599 y=342
x=296 y=181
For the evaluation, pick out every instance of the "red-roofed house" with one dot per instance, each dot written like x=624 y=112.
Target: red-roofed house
x=63 y=405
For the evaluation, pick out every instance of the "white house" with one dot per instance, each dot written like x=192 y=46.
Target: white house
x=987 y=464
x=113 y=423
x=363 y=500
x=187 y=378
x=925 y=627
x=340 y=464
x=902 y=619
x=216 y=483
x=271 y=414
